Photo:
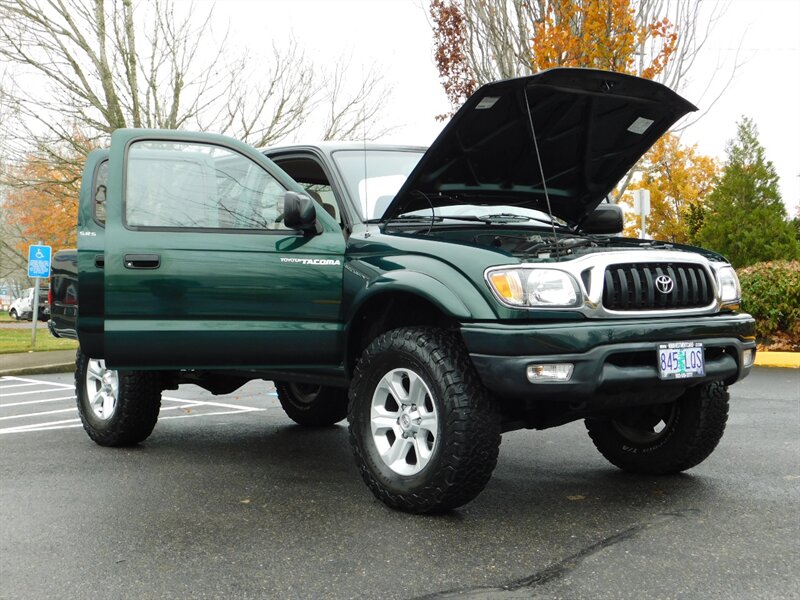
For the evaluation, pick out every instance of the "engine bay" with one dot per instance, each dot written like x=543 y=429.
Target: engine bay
x=542 y=244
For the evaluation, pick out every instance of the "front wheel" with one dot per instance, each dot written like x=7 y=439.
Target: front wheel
x=312 y=405
x=117 y=408
x=422 y=426
x=665 y=438
x=13 y=314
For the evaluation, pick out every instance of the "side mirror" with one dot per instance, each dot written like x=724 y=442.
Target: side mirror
x=606 y=218
x=299 y=213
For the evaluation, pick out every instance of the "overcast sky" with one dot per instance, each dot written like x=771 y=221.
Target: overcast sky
x=394 y=36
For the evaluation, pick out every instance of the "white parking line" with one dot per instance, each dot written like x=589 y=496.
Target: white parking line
x=222 y=412
x=42 y=426
x=16 y=385
x=35 y=381
x=28 y=393
x=27 y=402
x=220 y=404
x=38 y=414
x=172 y=404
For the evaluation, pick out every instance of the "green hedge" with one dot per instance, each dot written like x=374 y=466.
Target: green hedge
x=771 y=293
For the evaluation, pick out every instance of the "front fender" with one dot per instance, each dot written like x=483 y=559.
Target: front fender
x=449 y=289
x=418 y=284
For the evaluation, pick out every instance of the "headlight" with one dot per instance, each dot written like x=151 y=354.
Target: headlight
x=728 y=284
x=533 y=288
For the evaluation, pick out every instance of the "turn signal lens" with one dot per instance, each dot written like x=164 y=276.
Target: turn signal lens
x=508 y=286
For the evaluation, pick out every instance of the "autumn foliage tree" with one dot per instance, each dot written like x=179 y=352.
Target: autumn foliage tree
x=477 y=41
x=41 y=200
x=449 y=31
x=600 y=34
x=679 y=179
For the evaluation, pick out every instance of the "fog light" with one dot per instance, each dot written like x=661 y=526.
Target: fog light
x=748 y=356
x=545 y=373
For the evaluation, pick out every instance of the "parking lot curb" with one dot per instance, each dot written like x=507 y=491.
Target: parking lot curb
x=36 y=363
x=786 y=360
x=39 y=369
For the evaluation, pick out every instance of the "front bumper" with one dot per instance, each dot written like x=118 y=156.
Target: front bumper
x=609 y=356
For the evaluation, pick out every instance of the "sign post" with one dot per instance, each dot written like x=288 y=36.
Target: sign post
x=38 y=266
x=641 y=206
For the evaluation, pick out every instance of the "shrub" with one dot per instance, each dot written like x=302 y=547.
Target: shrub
x=771 y=293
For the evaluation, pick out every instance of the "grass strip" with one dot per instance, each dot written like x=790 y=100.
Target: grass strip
x=19 y=340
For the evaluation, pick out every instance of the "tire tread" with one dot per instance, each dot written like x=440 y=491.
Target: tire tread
x=328 y=408
x=698 y=442
x=138 y=406
x=470 y=420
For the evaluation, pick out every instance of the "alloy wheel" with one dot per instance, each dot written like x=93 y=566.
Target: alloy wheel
x=404 y=422
x=102 y=389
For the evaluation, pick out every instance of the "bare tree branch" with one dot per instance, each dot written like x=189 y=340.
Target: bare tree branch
x=351 y=115
x=101 y=77
x=99 y=65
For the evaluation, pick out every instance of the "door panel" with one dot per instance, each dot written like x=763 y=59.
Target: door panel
x=91 y=253
x=200 y=270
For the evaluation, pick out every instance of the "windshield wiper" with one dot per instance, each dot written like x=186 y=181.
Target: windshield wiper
x=506 y=218
x=499 y=218
x=512 y=218
x=408 y=219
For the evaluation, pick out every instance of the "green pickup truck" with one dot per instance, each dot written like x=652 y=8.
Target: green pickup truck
x=434 y=298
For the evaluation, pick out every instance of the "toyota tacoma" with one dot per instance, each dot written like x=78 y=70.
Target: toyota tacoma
x=435 y=298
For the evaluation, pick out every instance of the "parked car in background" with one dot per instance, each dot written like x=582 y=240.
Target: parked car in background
x=22 y=307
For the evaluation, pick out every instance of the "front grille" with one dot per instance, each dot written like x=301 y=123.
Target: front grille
x=633 y=286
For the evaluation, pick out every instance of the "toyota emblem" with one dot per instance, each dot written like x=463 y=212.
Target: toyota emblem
x=664 y=284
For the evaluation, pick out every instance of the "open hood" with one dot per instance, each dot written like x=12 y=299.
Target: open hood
x=591 y=127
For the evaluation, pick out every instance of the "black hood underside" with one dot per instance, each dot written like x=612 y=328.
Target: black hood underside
x=591 y=127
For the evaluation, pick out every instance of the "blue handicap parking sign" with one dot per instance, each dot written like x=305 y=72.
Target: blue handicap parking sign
x=39 y=261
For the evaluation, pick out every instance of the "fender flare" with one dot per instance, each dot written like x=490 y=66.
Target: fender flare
x=417 y=284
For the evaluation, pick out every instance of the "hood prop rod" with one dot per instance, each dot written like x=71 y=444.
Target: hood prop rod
x=541 y=173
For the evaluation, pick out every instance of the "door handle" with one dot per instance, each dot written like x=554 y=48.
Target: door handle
x=142 y=261
x=99 y=261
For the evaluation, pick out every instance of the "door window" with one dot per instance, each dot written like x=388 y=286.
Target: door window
x=100 y=189
x=179 y=185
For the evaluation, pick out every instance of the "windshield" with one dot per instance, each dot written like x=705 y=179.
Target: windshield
x=374 y=179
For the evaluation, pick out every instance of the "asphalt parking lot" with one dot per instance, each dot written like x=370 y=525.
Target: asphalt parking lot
x=229 y=499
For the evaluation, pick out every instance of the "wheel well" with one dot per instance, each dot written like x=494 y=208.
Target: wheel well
x=389 y=311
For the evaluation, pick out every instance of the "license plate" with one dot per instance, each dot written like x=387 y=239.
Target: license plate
x=680 y=360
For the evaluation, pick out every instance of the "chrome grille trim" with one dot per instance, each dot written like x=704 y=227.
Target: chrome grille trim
x=632 y=286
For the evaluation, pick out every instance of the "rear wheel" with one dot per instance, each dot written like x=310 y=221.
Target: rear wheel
x=422 y=426
x=664 y=438
x=312 y=405
x=13 y=314
x=117 y=408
